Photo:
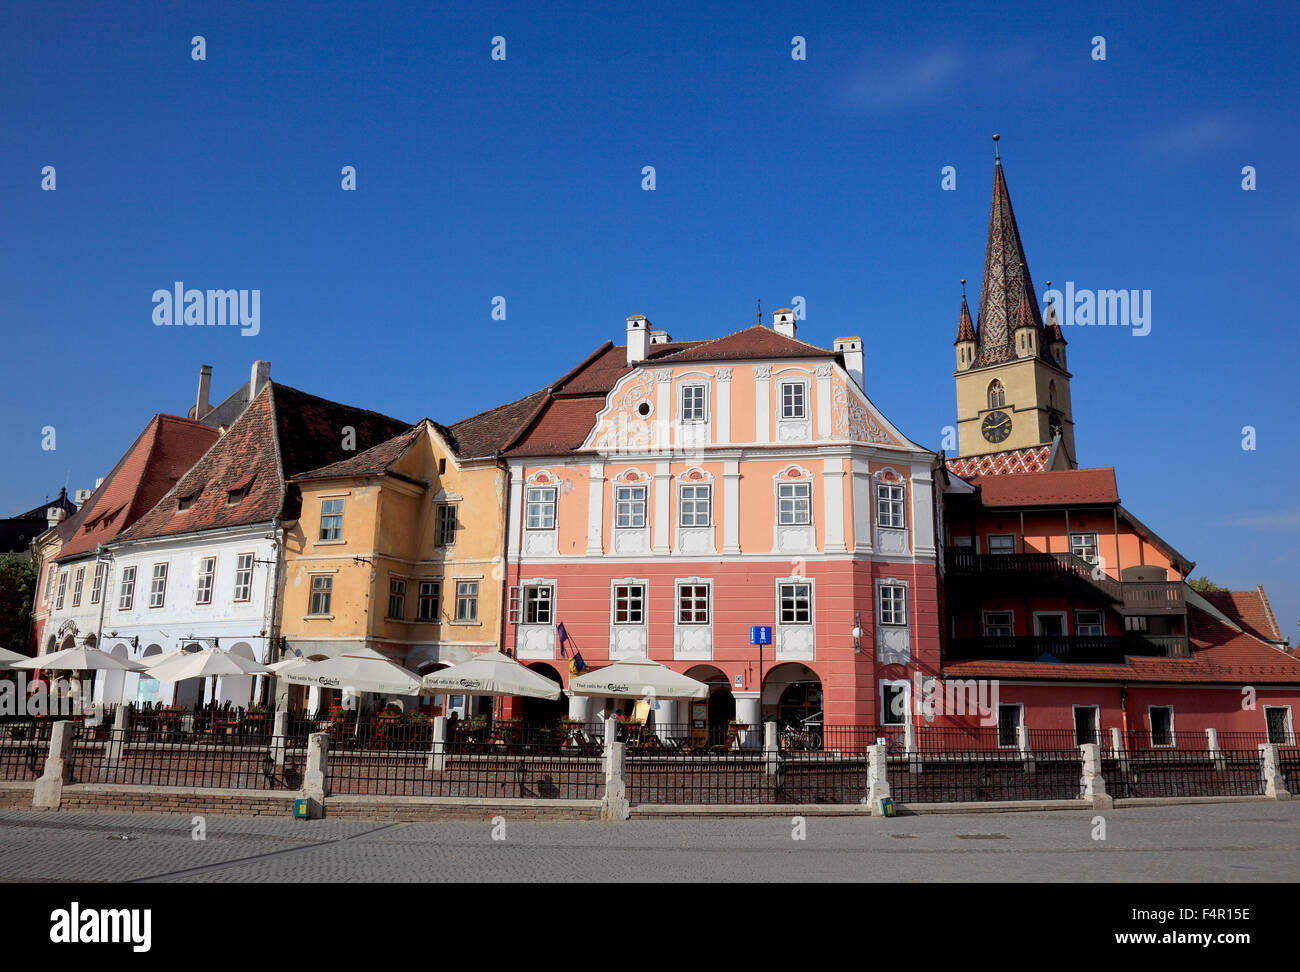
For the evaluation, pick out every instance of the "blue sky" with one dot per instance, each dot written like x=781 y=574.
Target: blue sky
x=775 y=178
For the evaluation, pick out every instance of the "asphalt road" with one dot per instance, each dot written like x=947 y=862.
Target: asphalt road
x=1242 y=842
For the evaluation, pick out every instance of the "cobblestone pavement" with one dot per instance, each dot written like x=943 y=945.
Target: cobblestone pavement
x=1222 y=842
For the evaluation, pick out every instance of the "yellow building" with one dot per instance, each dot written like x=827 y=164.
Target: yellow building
x=400 y=548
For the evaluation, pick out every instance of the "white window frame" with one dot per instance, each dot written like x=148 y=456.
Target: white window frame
x=467 y=597
x=156 y=594
x=708 y=603
x=78 y=582
x=795 y=582
x=396 y=589
x=641 y=598
x=1096 y=722
x=1065 y=622
x=1095 y=544
x=97 y=583
x=547 y=507
x=1000 y=536
x=887 y=516
x=794 y=499
x=686 y=391
x=1290 y=726
x=884 y=711
x=243 y=579
x=126 y=591
x=1020 y=721
x=895 y=611
x=533 y=593
x=1011 y=624
x=630 y=505
x=205 y=581
x=49 y=582
x=331 y=520
x=1151 y=728
x=801 y=404
x=327 y=590
x=1079 y=625
x=63 y=589
x=695 y=502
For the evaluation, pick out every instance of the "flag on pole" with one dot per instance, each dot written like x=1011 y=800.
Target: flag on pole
x=562 y=636
x=576 y=665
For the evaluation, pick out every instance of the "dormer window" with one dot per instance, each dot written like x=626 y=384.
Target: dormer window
x=239 y=490
x=185 y=502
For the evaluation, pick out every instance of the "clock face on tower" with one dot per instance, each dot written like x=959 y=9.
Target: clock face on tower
x=996 y=426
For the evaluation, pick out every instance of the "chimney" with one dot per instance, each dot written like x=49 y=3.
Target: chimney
x=851 y=349
x=201 y=407
x=660 y=337
x=81 y=496
x=783 y=322
x=638 y=338
x=260 y=376
x=99 y=482
x=54 y=516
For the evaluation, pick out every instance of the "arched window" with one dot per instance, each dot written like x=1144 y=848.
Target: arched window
x=997 y=396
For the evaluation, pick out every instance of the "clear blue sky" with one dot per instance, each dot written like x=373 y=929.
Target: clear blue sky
x=776 y=178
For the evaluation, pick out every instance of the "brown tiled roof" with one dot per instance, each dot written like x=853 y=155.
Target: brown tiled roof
x=755 y=341
x=1218 y=655
x=562 y=427
x=1057 y=487
x=283 y=432
x=159 y=457
x=965 y=329
x=372 y=462
x=483 y=434
x=1250 y=609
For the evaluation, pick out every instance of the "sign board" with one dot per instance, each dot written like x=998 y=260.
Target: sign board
x=760 y=635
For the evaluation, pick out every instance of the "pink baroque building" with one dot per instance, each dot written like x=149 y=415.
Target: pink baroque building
x=665 y=496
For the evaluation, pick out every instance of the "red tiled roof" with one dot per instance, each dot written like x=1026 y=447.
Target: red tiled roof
x=1030 y=459
x=159 y=457
x=965 y=329
x=372 y=462
x=562 y=427
x=483 y=434
x=281 y=433
x=1250 y=609
x=755 y=341
x=1218 y=655
x=1057 y=487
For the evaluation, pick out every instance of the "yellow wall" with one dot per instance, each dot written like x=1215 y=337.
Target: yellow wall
x=1027 y=382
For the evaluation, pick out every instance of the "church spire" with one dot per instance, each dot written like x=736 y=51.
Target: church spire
x=965 y=328
x=1006 y=282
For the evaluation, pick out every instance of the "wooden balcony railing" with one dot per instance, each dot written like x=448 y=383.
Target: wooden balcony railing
x=1074 y=649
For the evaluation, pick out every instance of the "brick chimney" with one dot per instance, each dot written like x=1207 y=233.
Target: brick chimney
x=54 y=516
x=201 y=406
x=638 y=338
x=783 y=322
x=260 y=376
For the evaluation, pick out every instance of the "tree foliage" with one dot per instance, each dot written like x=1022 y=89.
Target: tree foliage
x=1204 y=585
x=17 y=590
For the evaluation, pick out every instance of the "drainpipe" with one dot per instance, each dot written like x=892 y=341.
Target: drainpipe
x=271 y=628
x=503 y=594
x=1123 y=711
x=103 y=598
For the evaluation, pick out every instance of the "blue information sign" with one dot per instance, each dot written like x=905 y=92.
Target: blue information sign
x=760 y=635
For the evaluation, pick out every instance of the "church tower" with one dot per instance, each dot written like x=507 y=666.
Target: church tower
x=1013 y=389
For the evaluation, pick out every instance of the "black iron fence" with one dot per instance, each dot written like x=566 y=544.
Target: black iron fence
x=700 y=778
x=173 y=757
x=1184 y=773
x=985 y=772
x=24 y=745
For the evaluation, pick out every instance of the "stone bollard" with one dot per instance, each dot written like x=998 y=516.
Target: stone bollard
x=1274 y=781
x=771 y=749
x=58 y=768
x=116 y=747
x=877 y=777
x=1092 y=783
x=614 y=805
x=611 y=732
x=315 y=780
x=280 y=738
x=1212 y=744
x=910 y=747
x=437 y=761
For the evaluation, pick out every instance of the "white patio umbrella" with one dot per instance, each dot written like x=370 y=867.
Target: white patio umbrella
x=361 y=669
x=79 y=659
x=206 y=663
x=637 y=678
x=280 y=667
x=7 y=658
x=490 y=674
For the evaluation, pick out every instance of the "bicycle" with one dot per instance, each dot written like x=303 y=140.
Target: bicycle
x=806 y=737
